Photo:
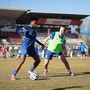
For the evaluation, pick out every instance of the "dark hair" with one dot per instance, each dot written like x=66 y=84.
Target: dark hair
x=34 y=19
x=63 y=27
x=81 y=43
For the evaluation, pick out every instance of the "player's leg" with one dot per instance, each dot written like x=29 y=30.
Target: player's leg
x=34 y=54
x=4 y=56
x=37 y=61
x=35 y=64
x=48 y=57
x=21 y=61
x=46 y=63
x=63 y=59
x=83 y=55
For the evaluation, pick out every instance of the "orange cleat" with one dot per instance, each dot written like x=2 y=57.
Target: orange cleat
x=28 y=72
x=13 y=78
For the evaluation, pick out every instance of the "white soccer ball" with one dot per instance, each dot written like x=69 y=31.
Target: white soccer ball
x=34 y=76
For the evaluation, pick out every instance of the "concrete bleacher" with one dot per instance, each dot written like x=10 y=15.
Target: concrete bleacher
x=1 y=41
x=41 y=36
x=5 y=41
x=72 y=38
x=10 y=38
x=15 y=38
x=71 y=35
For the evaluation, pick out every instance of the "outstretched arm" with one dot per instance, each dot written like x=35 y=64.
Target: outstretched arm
x=23 y=30
x=46 y=39
x=40 y=43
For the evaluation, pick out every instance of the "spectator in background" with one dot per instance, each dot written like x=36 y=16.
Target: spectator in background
x=3 y=50
x=49 y=31
x=82 y=48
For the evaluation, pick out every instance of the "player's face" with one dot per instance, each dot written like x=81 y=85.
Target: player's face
x=33 y=23
x=62 y=30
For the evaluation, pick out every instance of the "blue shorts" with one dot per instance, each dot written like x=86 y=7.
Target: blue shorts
x=49 y=54
x=30 y=51
x=83 y=52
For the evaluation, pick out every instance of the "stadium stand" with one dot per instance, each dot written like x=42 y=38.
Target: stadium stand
x=12 y=19
x=10 y=38
x=8 y=29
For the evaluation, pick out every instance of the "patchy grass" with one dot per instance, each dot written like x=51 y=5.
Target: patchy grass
x=56 y=79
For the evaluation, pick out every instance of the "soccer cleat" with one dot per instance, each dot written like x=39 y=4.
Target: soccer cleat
x=71 y=74
x=13 y=78
x=29 y=72
x=45 y=72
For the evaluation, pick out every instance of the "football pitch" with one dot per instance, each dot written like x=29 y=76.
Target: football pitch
x=56 y=79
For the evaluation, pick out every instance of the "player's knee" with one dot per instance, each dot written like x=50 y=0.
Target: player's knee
x=22 y=63
x=39 y=61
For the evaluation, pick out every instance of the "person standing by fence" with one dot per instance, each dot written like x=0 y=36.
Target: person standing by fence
x=3 y=50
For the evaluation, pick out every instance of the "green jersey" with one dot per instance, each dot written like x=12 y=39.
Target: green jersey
x=56 y=44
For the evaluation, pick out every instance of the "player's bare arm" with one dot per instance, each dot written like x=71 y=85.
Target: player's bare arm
x=46 y=39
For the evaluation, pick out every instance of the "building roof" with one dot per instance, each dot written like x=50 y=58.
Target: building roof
x=11 y=13
x=22 y=16
x=26 y=16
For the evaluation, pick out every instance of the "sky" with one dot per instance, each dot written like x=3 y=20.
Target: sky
x=52 y=6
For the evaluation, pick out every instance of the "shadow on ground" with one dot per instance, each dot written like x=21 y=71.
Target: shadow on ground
x=67 y=88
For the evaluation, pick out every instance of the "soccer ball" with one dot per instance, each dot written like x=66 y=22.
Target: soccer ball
x=34 y=76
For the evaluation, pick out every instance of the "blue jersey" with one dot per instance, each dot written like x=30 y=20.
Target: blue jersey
x=29 y=41
x=29 y=36
x=82 y=48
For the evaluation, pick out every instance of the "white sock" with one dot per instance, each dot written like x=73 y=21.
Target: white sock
x=70 y=71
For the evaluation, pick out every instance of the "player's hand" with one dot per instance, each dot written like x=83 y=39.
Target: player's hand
x=25 y=30
x=43 y=45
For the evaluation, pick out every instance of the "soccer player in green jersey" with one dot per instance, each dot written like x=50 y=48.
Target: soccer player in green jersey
x=56 y=46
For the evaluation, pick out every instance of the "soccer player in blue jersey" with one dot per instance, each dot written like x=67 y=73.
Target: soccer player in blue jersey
x=82 y=48
x=27 y=47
